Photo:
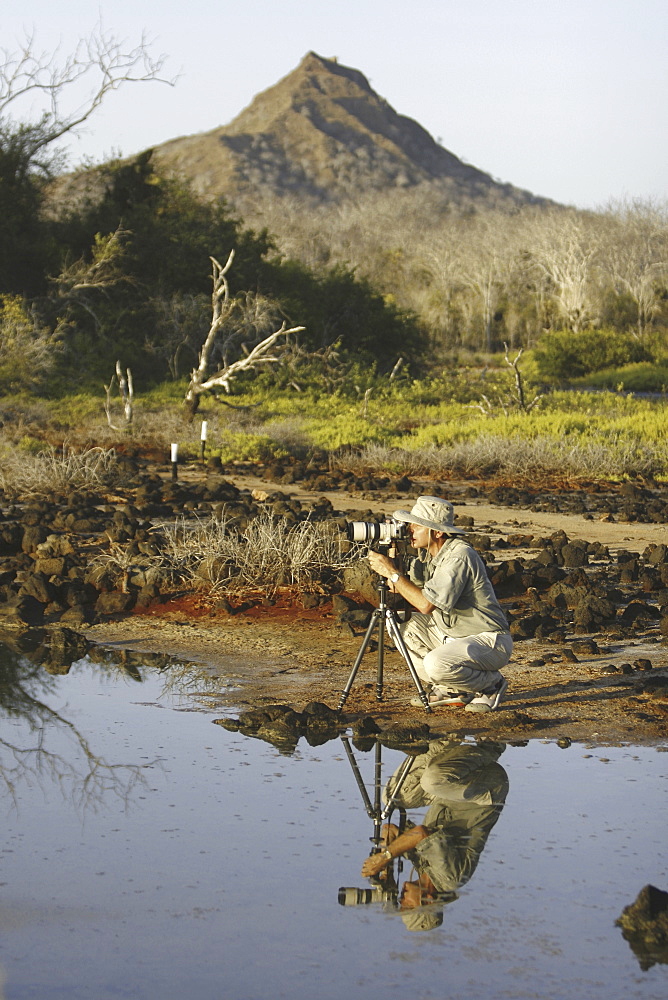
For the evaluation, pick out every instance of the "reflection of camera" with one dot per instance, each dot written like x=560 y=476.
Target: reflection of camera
x=383 y=532
x=351 y=895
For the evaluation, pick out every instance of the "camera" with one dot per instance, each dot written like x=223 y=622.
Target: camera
x=351 y=895
x=383 y=532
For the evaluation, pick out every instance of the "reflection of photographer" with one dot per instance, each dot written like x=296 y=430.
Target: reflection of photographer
x=465 y=788
x=459 y=639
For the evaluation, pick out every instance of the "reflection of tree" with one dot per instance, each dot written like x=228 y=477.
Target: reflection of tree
x=180 y=678
x=76 y=769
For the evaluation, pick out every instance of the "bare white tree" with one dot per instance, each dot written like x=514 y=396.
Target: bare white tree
x=635 y=255
x=241 y=315
x=62 y=91
x=562 y=248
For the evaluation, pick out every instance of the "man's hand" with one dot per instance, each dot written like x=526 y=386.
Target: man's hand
x=404 y=842
x=374 y=865
x=381 y=564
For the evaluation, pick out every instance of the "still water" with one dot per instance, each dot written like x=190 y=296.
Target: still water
x=149 y=853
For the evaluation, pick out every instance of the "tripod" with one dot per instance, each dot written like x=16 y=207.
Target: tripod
x=384 y=618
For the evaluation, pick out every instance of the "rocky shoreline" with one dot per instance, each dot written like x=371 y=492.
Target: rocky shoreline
x=582 y=574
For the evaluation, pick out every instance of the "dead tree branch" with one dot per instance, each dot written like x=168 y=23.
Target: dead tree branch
x=519 y=383
x=263 y=353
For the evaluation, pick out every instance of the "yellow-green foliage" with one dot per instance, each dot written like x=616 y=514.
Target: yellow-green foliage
x=27 y=350
x=240 y=446
x=570 y=416
x=409 y=420
x=30 y=445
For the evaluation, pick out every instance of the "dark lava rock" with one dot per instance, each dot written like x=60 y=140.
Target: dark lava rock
x=365 y=727
x=24 y=610
x=644 y=924
x=33 y=536
x=319 y=710
x=11 y=536
x=358 y=579
x=592 y=612
x=656 y=554
x=586 y=647
x=406 y=736
x=37 y=585
x=655 y=686
x=114 y=603
x=639 y=609
x=575 y=554
x=525 y=628
x=78 y=614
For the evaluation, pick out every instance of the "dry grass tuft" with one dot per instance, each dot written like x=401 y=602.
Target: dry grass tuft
x=520 y=459
x=267 y=553
x=26 y=476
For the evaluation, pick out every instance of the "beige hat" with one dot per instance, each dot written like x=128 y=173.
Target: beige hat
x=431 y=512
x=423 y=918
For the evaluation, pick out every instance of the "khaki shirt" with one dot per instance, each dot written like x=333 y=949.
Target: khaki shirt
x=456 y=582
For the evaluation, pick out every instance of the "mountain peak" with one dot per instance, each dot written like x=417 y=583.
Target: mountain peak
x=323 y=134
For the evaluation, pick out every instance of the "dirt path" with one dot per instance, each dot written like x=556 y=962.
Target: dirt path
x=286 y=655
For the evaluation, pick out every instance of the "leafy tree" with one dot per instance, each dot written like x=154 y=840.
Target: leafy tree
x=161 y=297
x=30 y=150
x=336 y=306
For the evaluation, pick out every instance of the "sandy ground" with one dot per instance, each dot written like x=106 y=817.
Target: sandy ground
x=287 y=655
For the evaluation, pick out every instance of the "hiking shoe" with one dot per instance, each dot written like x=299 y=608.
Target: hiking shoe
x=453 y=699
x=488 y=700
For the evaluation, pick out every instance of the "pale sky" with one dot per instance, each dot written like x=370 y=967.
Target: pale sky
x=566 y=98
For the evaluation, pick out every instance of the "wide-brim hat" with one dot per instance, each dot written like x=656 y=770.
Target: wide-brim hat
x=431 y=512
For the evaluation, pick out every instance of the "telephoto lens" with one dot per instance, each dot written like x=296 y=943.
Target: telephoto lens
x=352 y=895
x=383 y=532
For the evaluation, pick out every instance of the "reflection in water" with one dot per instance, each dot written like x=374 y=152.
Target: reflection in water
x=464 y=788
x=48 y=747
x=232 y=842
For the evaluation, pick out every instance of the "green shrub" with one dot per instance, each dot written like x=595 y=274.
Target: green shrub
x=563 y=355
x=640 y=377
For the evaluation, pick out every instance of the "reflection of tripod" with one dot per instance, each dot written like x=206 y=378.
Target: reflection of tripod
x=385 y=618
x=376 y=811
x=383 y=886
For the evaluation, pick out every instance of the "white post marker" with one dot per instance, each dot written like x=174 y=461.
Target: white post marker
x=175 y=459
x=202 y=447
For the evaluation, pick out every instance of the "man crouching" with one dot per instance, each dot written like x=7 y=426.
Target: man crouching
x=459 y=638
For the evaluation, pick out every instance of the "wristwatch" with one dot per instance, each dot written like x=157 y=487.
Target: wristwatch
x=386 y=854
x=395 y=577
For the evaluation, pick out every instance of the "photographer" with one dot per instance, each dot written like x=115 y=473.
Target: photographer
x=459 y=638
x=465 y=788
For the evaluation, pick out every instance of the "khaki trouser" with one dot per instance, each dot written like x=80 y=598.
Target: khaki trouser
x=470 y=663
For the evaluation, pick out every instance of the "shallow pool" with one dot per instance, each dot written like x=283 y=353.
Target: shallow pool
x=149 y=853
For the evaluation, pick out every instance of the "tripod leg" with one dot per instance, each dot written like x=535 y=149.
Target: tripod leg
x=375 y=618
x=381 y=656
x=401 y=777
x=371 y=809
x=377 y=809
x=398 y=640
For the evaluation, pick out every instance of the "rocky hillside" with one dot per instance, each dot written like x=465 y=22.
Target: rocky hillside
x=322 y=134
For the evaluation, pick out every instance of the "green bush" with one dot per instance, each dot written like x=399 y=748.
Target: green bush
x=641 y=377
x=562 y=355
